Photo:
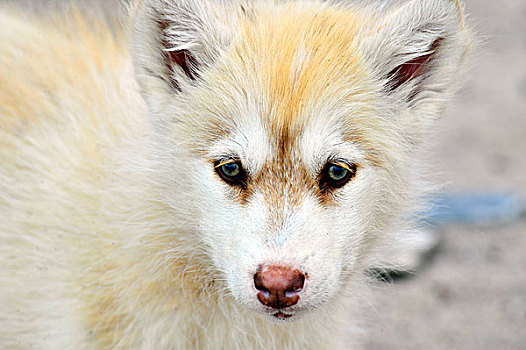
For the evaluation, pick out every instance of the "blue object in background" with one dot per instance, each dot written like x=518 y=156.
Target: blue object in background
x=474 y=208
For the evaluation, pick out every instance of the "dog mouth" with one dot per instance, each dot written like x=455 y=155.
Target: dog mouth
x=282 y=316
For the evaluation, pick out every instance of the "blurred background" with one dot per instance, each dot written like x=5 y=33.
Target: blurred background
x=471 y=294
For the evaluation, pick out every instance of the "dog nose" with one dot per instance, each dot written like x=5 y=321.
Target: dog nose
x=278 y=286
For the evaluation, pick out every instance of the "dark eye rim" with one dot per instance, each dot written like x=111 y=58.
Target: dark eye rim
x=326 y=183
x=238 y=180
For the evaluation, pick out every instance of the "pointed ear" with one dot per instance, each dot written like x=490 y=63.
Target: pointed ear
x=417 y=51
x=173 y=42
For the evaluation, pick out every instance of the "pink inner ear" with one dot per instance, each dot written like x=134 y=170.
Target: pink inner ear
x=183 y=59
x=412 y=69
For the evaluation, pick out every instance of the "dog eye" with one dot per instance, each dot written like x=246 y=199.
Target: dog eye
x=336 y=175
x=231 y=172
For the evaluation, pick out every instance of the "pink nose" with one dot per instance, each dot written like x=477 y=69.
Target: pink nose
x=278 y=286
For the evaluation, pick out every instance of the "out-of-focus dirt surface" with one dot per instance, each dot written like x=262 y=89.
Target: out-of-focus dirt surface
x=472 y=295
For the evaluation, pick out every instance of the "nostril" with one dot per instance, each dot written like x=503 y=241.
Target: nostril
x=278 y=286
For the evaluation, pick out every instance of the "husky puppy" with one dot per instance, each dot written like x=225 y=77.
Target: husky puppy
x=216 y=175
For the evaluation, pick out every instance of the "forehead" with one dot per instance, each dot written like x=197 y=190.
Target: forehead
x=293 y=70
x=300 y=54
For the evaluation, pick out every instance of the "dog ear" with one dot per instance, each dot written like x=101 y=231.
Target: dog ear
x=416 y=51
x=174 y=42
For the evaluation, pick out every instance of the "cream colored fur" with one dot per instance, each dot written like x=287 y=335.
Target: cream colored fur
x=115 y=230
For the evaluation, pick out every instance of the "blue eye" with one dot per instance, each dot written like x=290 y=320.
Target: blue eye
x=231 y=170
x=336 y=174
x=232 y=173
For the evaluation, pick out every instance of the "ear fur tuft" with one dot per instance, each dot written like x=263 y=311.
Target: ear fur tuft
x=413 y=70
x=416 y=50
x=175 y=41
x=175 y=57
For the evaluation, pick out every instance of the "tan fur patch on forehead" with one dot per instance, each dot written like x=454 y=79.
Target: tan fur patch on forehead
x=301 y=52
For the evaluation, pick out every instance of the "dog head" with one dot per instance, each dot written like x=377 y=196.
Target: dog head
x=286 y=132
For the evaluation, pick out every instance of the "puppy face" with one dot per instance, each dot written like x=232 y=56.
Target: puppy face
x=288 y=142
